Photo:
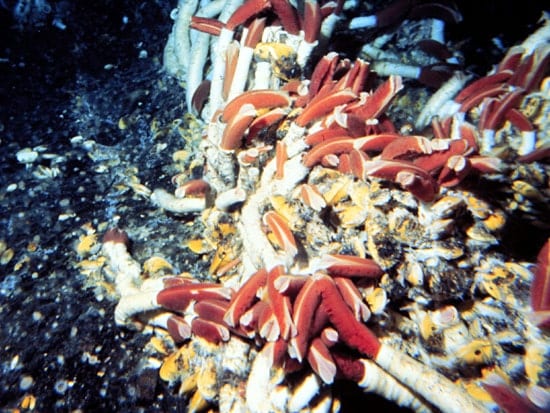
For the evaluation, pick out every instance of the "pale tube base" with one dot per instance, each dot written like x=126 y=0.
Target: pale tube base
x=382 y=383
x=169 y=202
x=434 y=387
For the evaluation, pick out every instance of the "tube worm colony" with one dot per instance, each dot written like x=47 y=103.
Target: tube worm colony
x=342 y=247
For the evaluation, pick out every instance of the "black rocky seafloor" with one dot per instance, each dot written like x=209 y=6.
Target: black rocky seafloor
x=81 y=85
x=58 y=343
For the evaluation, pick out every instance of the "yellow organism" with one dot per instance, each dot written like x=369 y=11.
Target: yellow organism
x=282 y=58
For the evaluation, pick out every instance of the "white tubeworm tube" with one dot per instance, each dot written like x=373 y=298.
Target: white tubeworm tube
x=241 y=72
x=199 y=56
x=376 y=53
x=539 y=37
x=260 y=384
x=127 y=271
x=130 y=305
x=528 y=142
x=385 y=68
x=487 y=140
x=304 y=392
x=182 y=43
x=441 y=103
x=327 y=26
x=363 y=22
x=169 y=202
x=229 y=198
x=438 y=31
x=304 y=51
x=262 y=76
x=434 y=387
x=378 y=381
